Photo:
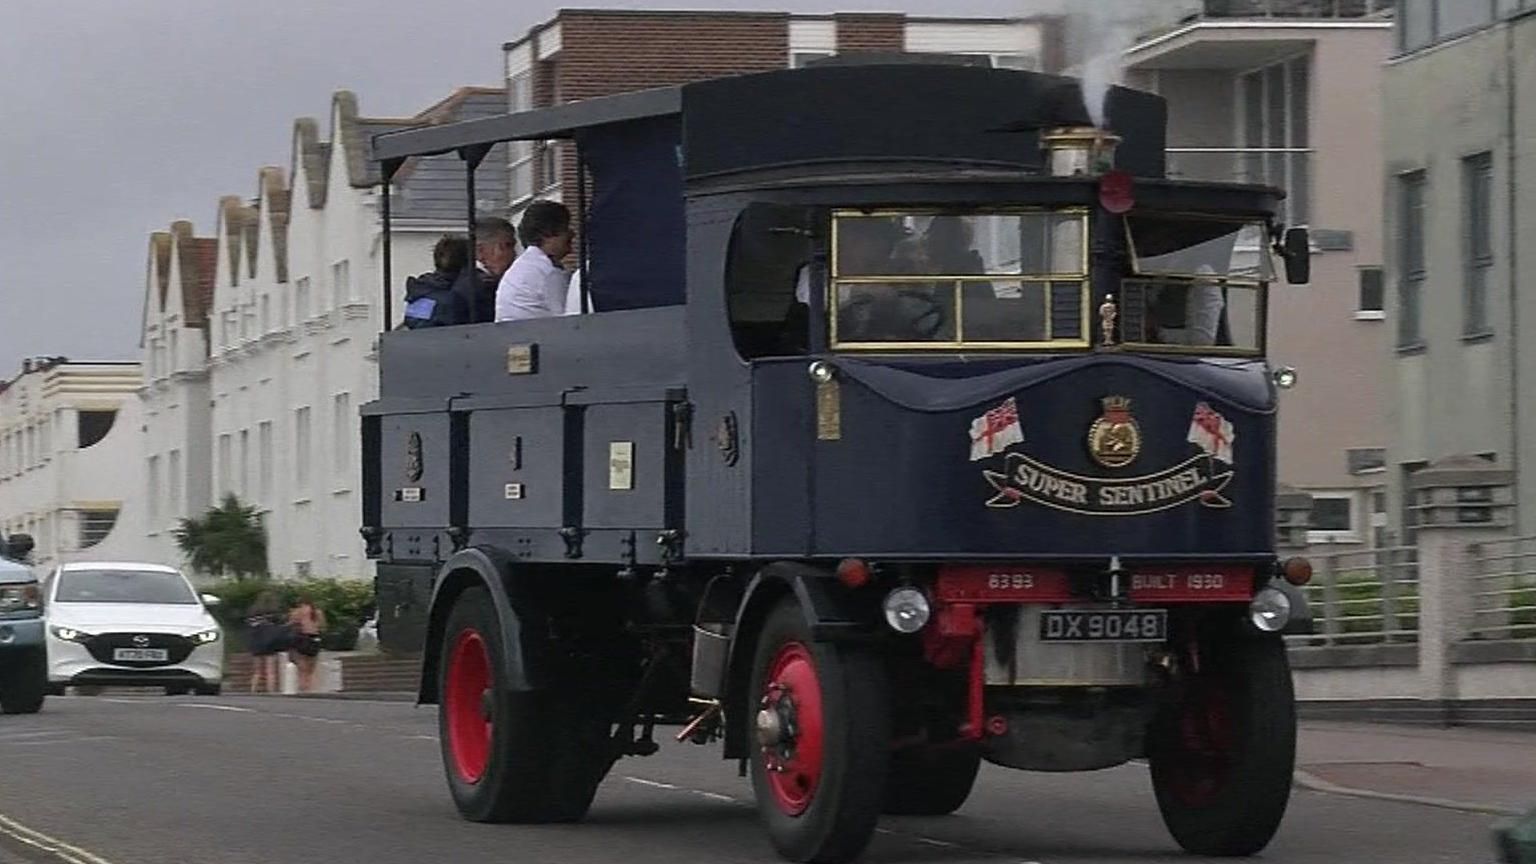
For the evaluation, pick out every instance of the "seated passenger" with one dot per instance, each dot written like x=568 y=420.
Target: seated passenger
x=431 y=299
x=535 y=285
x=495 y=247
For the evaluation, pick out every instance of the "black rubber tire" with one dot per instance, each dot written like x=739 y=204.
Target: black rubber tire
x=930 y=781
x=23 y=681
x=1243 y=814
x=177 y=690
x=210 y=689
x=547 y=756
x=840 y=819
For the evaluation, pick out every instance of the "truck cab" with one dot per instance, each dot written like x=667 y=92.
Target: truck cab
x=916 y=421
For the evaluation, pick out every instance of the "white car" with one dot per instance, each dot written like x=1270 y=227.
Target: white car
x=130 y=625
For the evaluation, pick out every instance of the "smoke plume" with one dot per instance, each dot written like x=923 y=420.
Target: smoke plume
x=1099 y=32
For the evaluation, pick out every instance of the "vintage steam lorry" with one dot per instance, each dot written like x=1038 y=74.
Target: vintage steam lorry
x=913 y=422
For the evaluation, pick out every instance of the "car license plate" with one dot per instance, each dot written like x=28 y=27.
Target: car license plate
x=147 y=655
x=1103 y=625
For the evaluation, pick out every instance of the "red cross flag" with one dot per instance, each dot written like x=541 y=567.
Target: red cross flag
x=993 y=431
x=1212 y=433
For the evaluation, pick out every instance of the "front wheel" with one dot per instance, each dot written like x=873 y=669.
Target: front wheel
x=821 y=727
x=1223 y=751
x=510 y=756
x=23 y=682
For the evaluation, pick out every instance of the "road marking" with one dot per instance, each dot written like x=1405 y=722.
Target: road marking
x=643 y=782
x=943 y=844
x=11 y=736
x=125 y=701
x=53 y=846
x=714 y=796
x=209 y=707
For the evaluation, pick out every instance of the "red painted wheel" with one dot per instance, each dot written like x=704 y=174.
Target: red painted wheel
x=791 y=707
x=466 y=701
x=1223 y=749
x=820 y=739
x=511 y=755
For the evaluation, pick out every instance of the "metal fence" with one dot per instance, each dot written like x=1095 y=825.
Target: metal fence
x=1365 y=597
x=1502 y=576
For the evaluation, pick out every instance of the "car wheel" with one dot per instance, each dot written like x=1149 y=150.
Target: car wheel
x=210 y=689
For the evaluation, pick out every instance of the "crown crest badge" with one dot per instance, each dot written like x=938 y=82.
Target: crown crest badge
x=1114 y=439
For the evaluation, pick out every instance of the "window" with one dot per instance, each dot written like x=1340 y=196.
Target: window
x=1371 y=306
x=341 y=447
x=1364 y=460
x=931 y=280
x=1410 y=258
x=549 y=165
x=801 y=59
x=245 y=462
x=1477 y=240
x=153 y=485
x=92 y=426
x=172 y=355
x=226 y=465
x=521 y=153
x=95 y=525
x=266 y=313
x=264 y=458
x=1334 y=518
x=341 y=283
x=1275 y=121
x=301 y=298
x=173 y=482
x=284 y=316
x=301 y=449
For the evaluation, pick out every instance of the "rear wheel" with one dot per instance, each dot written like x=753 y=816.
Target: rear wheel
x=1223 y=751
x=527 y=756
x=23 y=682
x=822 y=732
x=930 y=781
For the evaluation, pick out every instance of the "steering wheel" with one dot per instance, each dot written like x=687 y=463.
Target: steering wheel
x=930 y=319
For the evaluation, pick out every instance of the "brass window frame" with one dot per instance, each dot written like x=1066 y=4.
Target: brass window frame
x=1260 y=286
x=1082 y=279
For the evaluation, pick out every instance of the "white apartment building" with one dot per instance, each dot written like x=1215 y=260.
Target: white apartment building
x=269 y=410
x=69 y=442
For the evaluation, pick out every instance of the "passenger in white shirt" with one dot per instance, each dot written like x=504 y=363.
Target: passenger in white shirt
x=535 y=285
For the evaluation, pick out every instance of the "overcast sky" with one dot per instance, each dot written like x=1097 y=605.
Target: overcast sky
x=119 y=116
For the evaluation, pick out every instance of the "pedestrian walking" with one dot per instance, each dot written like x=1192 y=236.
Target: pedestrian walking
x=269 y=636
x=308 y=623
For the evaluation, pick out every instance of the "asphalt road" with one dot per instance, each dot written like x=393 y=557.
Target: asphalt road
x=148 y=780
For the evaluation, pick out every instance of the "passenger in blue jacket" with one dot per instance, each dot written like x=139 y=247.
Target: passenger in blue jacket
x=430 y=299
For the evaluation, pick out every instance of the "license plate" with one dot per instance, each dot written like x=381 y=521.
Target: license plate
x=147 y=655
x=1106 y=625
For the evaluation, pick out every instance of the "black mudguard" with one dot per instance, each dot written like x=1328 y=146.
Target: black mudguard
x=834 y=613
x=523 y=627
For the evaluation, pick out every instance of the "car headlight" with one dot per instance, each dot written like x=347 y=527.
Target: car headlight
x=205 y=637
x=68 y=634
x=20 y=598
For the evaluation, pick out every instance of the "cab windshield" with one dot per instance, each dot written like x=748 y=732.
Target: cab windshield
x=1198 y=285
x=1003 y=279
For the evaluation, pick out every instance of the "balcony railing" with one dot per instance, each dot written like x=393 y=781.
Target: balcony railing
x=1296 y=8
x=1289 y=168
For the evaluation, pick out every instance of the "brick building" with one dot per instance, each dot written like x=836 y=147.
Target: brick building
x=585 y=53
